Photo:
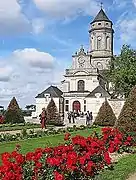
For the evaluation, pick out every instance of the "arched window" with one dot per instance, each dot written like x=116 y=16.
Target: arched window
x=81 y=85
x=107 y=42
x=98 y=42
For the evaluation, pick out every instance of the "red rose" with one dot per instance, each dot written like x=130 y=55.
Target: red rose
x=58 y=176
x=67 y=136
x=129 y=138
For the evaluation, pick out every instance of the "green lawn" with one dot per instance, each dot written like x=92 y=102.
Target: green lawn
x=122 y=170
x=31 y=144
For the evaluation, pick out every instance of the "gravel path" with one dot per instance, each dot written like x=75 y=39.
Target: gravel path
x=132 y=177
x=18 y=131
x=78 y=122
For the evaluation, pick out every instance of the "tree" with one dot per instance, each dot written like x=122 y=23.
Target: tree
x=127 y=118
x=105 y=116
x=14 y=113
x=122 y=73
x=53 y=116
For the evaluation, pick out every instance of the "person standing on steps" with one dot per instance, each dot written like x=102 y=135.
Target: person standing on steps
x=73 y=117
x=88 y=117
x=69 y=117
x=91 y=118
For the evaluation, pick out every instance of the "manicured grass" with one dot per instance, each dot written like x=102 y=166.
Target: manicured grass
x=125 y=166
x=31 y=144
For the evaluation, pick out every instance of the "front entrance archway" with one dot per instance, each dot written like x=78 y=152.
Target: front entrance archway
x=76 y=106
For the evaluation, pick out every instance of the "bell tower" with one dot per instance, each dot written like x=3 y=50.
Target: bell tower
x=101 y=41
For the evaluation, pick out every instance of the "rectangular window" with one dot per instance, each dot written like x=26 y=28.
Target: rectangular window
x=84 y=108
x=84 y=101
x=67 y=101
x=67 y=108
x=47 y=97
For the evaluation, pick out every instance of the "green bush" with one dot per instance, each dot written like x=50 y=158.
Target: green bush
x=24 y=132
x=53 y=116
x=127 y=118
x=14 y=113
x=105 y=116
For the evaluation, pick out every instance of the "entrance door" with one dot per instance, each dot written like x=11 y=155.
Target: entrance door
x=76 y=106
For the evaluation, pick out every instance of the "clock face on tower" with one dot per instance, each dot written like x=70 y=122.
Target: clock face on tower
x=81 y=60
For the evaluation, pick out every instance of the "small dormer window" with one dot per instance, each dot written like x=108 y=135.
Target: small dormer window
x=47 y=96
x=99 y=24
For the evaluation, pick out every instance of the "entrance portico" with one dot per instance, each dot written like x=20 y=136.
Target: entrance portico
x=76 y=106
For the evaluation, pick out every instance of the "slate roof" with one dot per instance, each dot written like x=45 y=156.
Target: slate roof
x=78 y=91
x=52 y=90
x=101 y=16
x=99 y=89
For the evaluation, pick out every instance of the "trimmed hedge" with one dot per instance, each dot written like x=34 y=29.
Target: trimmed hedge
x=105 y=116
x=127 y=118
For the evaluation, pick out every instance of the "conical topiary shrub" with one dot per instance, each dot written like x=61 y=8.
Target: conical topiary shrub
x=14 y=113
x=127 y=118
x=105 y=116
x=53 y=116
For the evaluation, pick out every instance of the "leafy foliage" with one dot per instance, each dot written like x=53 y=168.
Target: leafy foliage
x=14 y=113
x=53 y=116
x=122 y=72
x=106 y=116
x=127 y=118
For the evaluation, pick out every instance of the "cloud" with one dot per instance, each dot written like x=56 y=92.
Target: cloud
x=28 y=72
x=120 y=3
x=34 y=58
x=11 y=19
x=59 y=9
x=33 y=16
x=38 y=25
x=5 y=74
x=134 y=2
x=128 y=29
x=125 y=27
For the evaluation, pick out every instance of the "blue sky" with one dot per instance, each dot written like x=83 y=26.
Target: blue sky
x=38 y=38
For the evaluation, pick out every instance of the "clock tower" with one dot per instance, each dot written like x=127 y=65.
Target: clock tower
x=101 y=41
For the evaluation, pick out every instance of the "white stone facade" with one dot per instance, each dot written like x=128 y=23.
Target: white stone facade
x=43 y=103
x=81 y=88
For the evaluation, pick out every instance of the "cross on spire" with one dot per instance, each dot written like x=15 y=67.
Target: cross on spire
x=101 y=5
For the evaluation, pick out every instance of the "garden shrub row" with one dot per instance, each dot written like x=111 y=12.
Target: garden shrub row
x=126 y=121
x=11 y=127
x=40 y=133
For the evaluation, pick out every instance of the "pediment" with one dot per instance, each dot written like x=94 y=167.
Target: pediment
x=80 y=73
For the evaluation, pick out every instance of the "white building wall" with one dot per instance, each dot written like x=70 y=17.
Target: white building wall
x=117 y=106
x=94 y=104
x=91 y=82
x=43 y=103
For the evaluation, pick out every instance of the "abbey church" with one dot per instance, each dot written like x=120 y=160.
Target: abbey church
x=83 y=87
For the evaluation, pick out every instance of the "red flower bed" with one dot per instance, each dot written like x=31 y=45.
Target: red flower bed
x=78 y=158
